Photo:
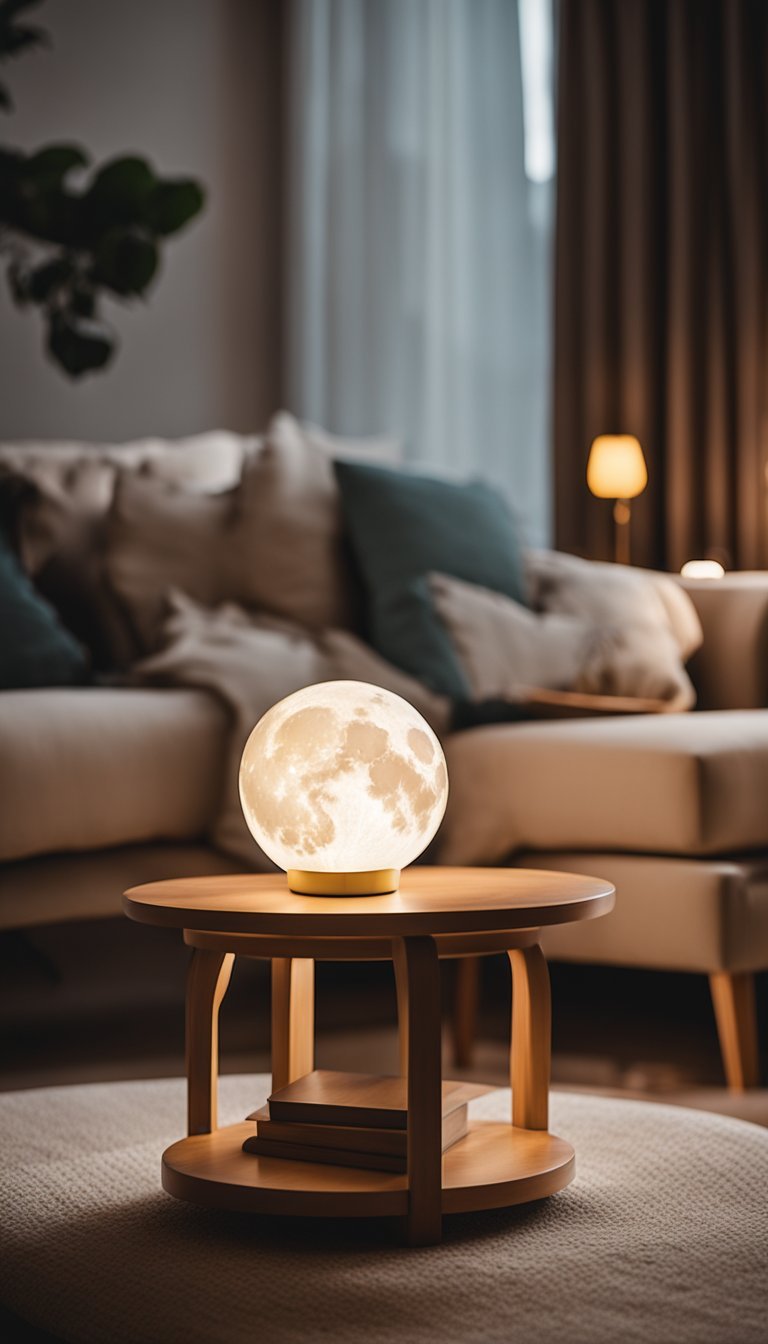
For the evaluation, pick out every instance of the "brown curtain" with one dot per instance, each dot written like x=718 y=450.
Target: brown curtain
x=662 y=272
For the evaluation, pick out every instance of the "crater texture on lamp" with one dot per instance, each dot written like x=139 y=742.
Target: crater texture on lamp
x=343 y=777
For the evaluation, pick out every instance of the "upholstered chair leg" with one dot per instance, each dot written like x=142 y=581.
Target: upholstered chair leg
x=733 y=997
x=465 y=1004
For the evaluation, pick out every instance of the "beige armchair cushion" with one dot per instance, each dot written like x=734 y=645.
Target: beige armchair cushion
x=731 y=668
x=673 y=784
x=87 y=768
x=670 y=913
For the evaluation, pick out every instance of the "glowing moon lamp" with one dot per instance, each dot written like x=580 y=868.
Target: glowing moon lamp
x=343 y=784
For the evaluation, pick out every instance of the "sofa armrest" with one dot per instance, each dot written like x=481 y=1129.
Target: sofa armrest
x=730 y=670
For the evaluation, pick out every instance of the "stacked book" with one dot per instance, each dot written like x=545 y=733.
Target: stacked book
x=350 y=1120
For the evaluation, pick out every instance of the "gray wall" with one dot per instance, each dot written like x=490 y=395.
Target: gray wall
x=195 y=86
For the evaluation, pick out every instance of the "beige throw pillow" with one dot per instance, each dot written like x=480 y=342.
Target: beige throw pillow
x=612 y=595
x=502 y=646
x=161 y=538
x=287 y=552
x=70 y=485
x=274 y=544
x=505 y=648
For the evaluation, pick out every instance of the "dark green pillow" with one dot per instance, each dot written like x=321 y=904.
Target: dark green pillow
x=403 y=527
x=35 y=649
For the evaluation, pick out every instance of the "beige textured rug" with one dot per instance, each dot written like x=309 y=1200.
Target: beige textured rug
x=663 y=1237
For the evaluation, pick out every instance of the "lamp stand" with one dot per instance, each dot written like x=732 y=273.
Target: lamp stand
x=621 y=516
x=375 y=883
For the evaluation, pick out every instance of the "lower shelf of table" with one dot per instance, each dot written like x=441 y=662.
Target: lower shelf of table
x=493 y=1166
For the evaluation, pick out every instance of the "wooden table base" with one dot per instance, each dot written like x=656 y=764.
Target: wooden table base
x=435 y=912
x=493 y=1166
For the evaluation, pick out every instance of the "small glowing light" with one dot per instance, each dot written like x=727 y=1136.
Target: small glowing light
x=343 y=784
x=702 y=569
x=616 y=468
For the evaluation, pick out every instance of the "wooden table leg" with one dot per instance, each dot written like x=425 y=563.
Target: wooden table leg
x=465 y=1007
x=207 y=981
x=531 y=1038
x=418 y=975
x=293 y=1019
x=733 y=997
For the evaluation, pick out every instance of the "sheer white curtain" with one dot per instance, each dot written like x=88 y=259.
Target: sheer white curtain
x=419 y=259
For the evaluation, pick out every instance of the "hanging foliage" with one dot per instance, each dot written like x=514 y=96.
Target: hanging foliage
x=70 y=239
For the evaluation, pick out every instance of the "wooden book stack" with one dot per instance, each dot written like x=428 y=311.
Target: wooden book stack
x=349 y=1120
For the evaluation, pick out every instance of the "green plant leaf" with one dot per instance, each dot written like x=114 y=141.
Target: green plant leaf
x=53 y=216
x=17 y=276
x=125 y=261
x=82 y=300
x=9 y=8
x=172 y=204
x=15 y=37
x=78 y=344
x=11 y=165
x=123 y=182
x=48 y=167
x=47 y=278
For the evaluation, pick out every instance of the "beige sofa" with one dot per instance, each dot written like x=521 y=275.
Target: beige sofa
x=104 y=787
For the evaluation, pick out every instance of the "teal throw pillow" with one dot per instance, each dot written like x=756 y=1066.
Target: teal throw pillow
x=402 y=527
x=35 y=649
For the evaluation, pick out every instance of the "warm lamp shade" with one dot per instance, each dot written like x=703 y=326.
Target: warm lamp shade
x=343 y=778
x=616 y=467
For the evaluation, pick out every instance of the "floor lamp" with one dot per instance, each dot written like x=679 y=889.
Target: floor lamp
x=616 y=470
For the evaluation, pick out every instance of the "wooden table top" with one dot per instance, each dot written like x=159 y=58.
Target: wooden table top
x=429 y=901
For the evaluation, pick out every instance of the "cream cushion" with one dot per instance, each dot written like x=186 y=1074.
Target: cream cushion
x=662 y=1236
x=274 y=543
x=731 y=669
x=52 y=888
x=505 y=648
x=612 y=595
x=88 y=768
x=75 y=482
x=286 y=551
x=672 y=784
x=160 y=538
x=672 y=914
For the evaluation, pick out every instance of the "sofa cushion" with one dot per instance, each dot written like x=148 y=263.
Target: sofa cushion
x=274 y=543
x=713 y=913
x=35 y=649
x=67 y=483
x=402 y=527
x=161 y=538
x=287 y=552
x=87 y=768
x=612 y=595
x=690 y=784
x=505 y=648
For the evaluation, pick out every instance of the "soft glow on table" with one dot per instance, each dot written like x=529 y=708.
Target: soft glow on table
x=702 y=569
x=343 y=779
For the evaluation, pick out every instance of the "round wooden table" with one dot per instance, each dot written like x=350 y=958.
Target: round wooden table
x=437 y=912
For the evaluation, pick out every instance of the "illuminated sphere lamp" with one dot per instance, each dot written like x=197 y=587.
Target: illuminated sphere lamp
x=343 y=784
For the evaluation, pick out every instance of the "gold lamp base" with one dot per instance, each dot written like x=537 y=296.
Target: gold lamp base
x=378 y=882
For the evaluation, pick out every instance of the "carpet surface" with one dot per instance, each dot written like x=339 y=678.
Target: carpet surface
x=663 y=1237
